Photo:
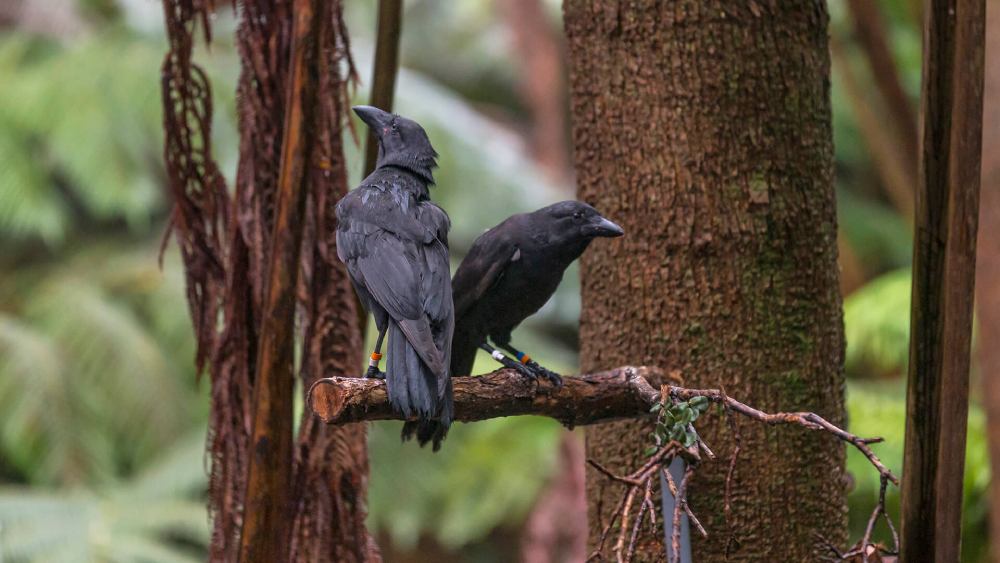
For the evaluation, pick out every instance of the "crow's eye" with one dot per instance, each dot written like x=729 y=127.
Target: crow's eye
x=577 y=215
x=394 y=127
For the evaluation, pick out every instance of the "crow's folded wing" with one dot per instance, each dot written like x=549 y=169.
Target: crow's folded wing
x=482 y=267
x=403 y=266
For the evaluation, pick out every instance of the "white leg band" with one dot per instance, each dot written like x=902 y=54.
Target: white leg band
x=497 y=355
x=373 y=362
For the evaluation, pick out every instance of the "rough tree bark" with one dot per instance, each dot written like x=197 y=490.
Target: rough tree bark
x=266 y=534
x=704 y=130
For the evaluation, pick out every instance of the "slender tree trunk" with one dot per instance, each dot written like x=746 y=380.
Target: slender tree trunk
x=226 y=245
x=330 y=480
x=872 y=35
x=541 y=82
x=944 y=268
x=704 y=130
x=988 y=268
x=556 y=529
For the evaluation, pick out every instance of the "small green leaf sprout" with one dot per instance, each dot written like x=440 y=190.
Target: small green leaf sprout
x=673 y=423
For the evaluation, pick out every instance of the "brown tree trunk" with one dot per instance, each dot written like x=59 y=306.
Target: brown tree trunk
x=226 y=245
x=330 y=481
x=556 y=529
x=541 y=82
x=873 y=38
x=988 y=268
x=704 y=130
x=944 y=268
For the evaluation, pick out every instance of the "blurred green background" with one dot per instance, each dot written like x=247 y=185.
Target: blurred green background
x=102 y=423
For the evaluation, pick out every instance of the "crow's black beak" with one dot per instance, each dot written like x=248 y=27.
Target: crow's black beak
x=601 y=227
x=375 y=118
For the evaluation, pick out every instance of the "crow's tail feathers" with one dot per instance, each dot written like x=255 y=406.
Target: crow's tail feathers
x=412 y=388
x=426 y=431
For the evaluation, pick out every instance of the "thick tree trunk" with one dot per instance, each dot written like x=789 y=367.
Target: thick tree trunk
x=704 y=130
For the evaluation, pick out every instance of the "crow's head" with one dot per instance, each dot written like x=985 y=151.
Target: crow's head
x=401 y=142
x=576 y=222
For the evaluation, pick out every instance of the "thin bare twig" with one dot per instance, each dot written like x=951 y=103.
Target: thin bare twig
x=809 y=420
x=611 y=475
x=647 y=504
x=604 y=533
x=731 y=541
x=642 y=478
x=701 y=444
x=866 y=548
x=687 y=509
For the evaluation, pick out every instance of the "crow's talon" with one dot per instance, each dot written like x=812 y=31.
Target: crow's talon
x=523 y=370
x=374 y=373
x=554 y=378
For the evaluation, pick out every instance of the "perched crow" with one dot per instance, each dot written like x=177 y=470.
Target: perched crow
x=510 y=272
x=394 y=240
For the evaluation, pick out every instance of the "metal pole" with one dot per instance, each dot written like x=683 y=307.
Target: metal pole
x=677 y=473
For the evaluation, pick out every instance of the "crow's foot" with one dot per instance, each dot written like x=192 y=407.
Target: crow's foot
x=521 y=369
x=554 y=378
x=374 y=373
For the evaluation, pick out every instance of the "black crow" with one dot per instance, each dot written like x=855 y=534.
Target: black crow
x=510 y=272
x=394 y=240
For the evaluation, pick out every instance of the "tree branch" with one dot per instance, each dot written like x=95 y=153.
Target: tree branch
x=662 y=455
x=809 y=420
x=624 y=392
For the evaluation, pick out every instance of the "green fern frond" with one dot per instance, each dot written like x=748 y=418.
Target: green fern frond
x=86 y=117
x=95 y=369
x=180 y=472
x=29 y=204
x=114 y=525
x=159 y=516
x=39 y=431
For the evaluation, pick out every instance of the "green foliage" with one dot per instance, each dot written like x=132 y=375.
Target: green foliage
x=674 y=424
x=61 y=117
x=90 y=378
x=879 y=409
x=876 y=232
x=488 y=474
x=95 y=341
x=877 y=326
x=147 y=519
x=81 y=132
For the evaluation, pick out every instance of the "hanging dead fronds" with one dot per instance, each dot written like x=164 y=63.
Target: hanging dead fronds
x=225 y=243
x=201 y=203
